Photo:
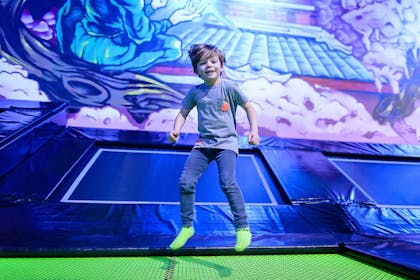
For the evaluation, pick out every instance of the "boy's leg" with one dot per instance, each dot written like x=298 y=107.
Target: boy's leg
x=226 y=162
x=194 y=167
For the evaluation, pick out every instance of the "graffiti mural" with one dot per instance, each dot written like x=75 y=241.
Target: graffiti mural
x=327 y=70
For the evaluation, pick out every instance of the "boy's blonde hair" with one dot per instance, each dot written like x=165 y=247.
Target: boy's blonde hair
x=198 y=52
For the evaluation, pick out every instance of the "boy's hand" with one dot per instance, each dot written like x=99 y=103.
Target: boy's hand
x=253 y=139
x=173 y=136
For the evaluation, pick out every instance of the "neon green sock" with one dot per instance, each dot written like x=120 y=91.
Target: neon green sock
x=182 y=238
x=243 y=239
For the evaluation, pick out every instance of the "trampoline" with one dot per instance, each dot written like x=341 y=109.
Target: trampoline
x=296 y=266
x=128 y=176
x=377 y=180
x=80 y=203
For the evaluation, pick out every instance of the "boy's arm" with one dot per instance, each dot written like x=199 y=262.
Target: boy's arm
x=253 y=137
x=178 y=124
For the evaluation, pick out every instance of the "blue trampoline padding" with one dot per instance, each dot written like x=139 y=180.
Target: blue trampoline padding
x=396 y=252
x=384 y=221
x=25 y=126
x=187 y=140
x=69 y=228
x=387 y=183
x=37 y=176
x=151 y=176
x=20 y=116
x=308 y=176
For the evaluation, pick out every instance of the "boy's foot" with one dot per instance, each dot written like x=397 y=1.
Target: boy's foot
x=182 y=238
x=243 y=239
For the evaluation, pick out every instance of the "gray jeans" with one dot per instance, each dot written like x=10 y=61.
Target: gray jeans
x=197 y=162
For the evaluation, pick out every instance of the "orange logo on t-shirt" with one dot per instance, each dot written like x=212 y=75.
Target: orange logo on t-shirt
x=225 y=106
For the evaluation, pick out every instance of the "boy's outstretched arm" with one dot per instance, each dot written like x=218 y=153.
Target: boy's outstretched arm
x=253 y=137
x=178 y=124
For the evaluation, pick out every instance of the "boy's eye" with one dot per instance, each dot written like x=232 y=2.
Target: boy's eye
x=211 y=60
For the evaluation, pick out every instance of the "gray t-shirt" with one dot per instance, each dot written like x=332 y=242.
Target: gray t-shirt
x=216 y=107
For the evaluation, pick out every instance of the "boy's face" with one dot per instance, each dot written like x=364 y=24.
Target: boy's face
x=210 y=69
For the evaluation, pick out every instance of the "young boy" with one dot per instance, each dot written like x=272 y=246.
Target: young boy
x=216 y=100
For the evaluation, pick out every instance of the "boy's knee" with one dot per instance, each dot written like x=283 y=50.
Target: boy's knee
x=186 y=186
x=187 y=190
x=227 y=182
x=229 y=187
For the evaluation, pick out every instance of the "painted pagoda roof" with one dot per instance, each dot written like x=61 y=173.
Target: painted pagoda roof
x=301 y=50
